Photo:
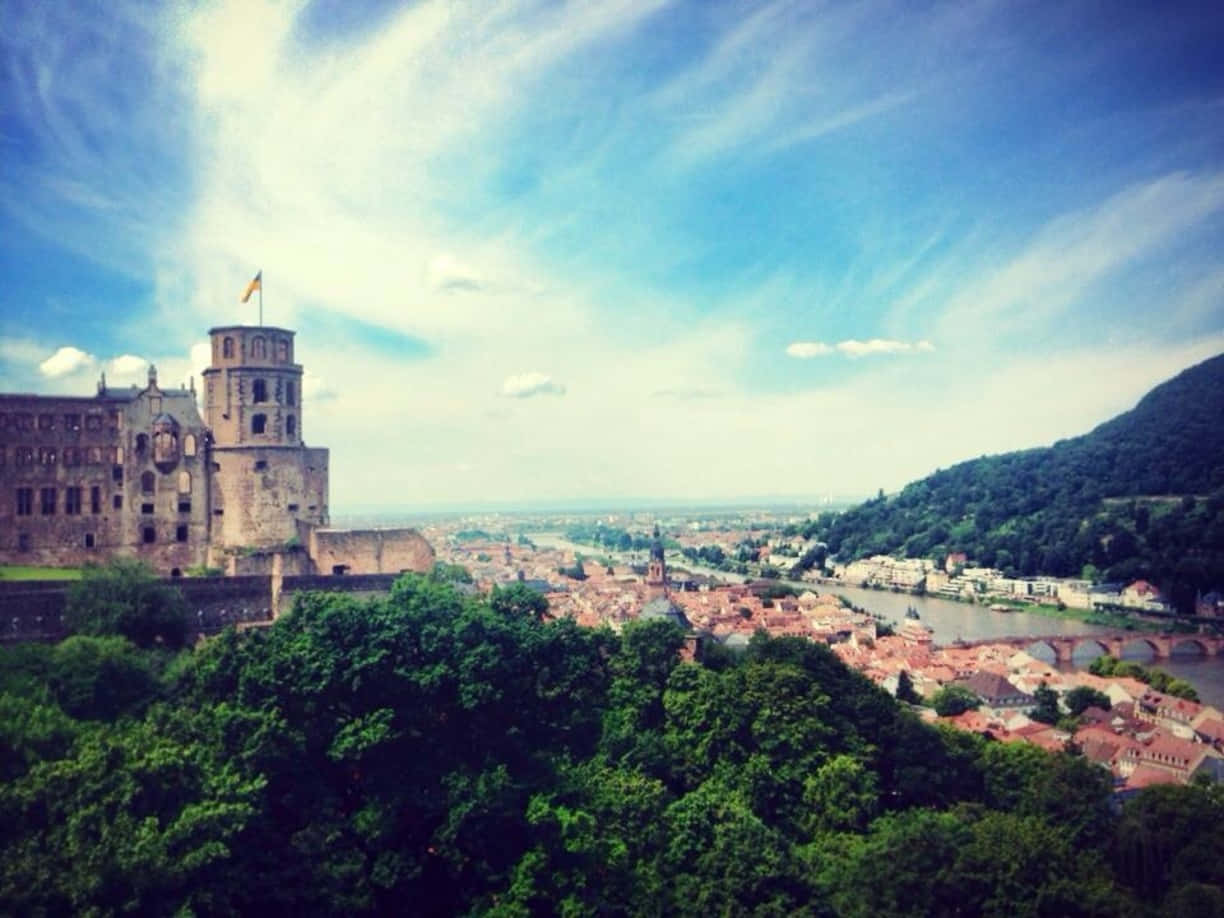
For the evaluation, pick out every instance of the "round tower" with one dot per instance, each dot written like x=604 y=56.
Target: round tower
x=253 y=389
x=267 y=482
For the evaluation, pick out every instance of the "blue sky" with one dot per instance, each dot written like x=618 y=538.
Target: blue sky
x=635 y=249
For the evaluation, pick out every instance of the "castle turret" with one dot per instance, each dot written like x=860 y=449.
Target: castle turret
x=267 y=480
x=656 y=568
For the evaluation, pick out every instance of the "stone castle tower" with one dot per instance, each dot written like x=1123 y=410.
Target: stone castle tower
x=266 y=481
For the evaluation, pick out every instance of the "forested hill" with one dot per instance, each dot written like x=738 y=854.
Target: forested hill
x=1140 y=496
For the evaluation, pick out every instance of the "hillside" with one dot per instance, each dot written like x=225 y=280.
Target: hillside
x=1142 y=495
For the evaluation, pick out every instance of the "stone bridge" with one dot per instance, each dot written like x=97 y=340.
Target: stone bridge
x=1113 y=643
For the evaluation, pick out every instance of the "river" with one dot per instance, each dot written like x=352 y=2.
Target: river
x=951 y=620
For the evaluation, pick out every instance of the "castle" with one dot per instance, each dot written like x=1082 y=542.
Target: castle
x=141 y=473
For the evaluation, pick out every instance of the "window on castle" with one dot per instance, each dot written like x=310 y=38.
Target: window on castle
x=282 y=350
x=290 y=393
x=72 y=422
x=46 y=456
x=24 y=421
x=259 y=423
x=72 y=456
x=184 y=506
x=25 y=501
x=142 y=444
x=46 y=422
x=146 y=509
x=47 y=497
x=93 y=455
x=23 y=541
x=95 y=499
x=93 y=422
x=149 y=535
x=89 y=540
x=290 y=426
x=259 y=390
x=23 y=455
x=293 y=508
x=184 y=483
x=259 y=348
x=117 y=473
x=189 y=445
x=227 y=347
x=148 y=482
x=117 y=501
x=72 y=501
x=261 y=464
x=180 y=534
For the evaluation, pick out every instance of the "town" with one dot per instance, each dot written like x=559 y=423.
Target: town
x=1141 y=735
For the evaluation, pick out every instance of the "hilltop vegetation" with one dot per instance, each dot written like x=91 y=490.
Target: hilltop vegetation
x=1142 y=495
x=434 y=752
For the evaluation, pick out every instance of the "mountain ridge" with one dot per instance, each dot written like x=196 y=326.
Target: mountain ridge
x=1084 y=505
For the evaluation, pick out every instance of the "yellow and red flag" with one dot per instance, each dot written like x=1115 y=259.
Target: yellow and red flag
x=255 y=284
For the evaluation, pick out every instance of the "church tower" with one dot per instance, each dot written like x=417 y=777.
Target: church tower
x=656 y=568
x=266 y=480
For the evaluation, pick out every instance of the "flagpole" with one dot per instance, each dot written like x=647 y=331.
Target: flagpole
x=261 y=299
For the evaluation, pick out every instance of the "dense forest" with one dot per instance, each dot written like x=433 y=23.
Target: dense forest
x=1142 y=495
x=435 y=753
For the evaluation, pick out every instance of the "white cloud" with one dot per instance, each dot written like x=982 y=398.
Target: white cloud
x=525 y=385
x=855 y=348
x=447 y=273
x=805 y=349
x=125 y=368
x=64 y=362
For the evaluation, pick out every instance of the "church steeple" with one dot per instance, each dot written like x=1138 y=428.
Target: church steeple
x=656 y=569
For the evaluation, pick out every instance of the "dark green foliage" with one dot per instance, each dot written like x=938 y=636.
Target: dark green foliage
x=1102 y=499
x=439 y=754
x=905 y=689
x=1046 y=710
x=954 y=699
x=1082 y=697
x=518 y=599
x=124 y=597
x=1156 y=678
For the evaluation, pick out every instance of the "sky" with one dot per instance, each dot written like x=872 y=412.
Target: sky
x=635 y=249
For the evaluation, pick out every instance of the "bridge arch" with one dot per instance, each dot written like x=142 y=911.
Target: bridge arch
x=1087 y=649
x=1127 y=644
x=1042 y=649
x=1189 y=646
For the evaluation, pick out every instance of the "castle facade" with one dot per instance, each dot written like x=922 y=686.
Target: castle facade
x=142 y=473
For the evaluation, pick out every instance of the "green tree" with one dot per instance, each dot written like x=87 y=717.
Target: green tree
x=1046 y=710
x=1083 y=697
x=518 y=600
x=124 y=597
x=953 y=699
x=905 y=689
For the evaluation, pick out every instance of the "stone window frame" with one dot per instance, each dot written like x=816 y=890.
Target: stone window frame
x=290 y=392
x=259 y=390
x=189 y=445
x=184 y=482
x=46 y=422
x=93 y=422
x=47 y=499
x=180 y=532
x=148 y=534
x=290 y=425
x=95 y=499
x=227 y=347
x=259 y=348
x=259 y=424
x=148 y=483
x=72 y=500
x=24 y=502
x=72 y=422
x=46 y=455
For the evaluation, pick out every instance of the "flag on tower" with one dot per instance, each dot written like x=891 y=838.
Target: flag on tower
x=255 y=284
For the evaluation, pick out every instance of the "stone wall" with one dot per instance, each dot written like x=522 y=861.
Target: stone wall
x=33 y=610
x=370 y=551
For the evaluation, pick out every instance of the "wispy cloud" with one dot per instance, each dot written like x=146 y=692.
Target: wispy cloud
x=852 y=347
x=525 y=385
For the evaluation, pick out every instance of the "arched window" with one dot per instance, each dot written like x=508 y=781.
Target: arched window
x=258 y=423
x=290 y=426
x=184 y=482
x=282 y=350
x=290 y=393
x=147 y=482
x=227 y=347
x=259 y=348
x=259 y=390
x=189 y=445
